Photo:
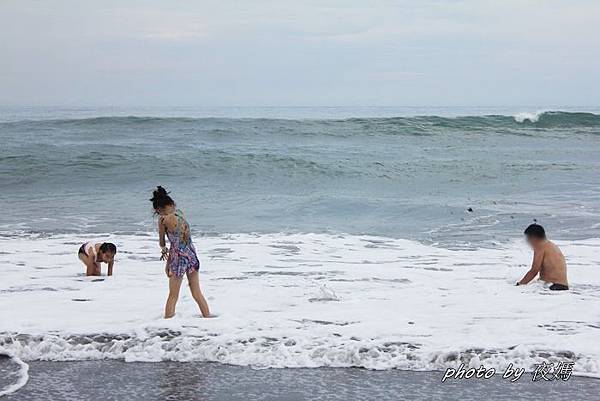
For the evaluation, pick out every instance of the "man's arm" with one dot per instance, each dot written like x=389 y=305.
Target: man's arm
x=536 y=266
x=110 y=267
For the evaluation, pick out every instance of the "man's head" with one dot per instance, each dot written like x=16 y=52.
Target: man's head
x=107 y=252
x=535 y=234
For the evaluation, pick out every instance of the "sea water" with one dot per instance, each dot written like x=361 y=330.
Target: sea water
x=327 y=238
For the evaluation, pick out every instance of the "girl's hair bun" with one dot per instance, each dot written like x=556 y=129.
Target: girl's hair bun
x=161 y=198
x=160 y=191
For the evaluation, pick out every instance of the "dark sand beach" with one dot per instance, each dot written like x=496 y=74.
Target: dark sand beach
x=115 y=380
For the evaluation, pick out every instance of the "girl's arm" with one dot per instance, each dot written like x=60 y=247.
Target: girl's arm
x=161 y=237
x=161 y=233
x=110 y=267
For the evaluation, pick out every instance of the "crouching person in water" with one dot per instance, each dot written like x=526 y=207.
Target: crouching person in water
x=181 y=256
x=548 y=260
x=93 y=254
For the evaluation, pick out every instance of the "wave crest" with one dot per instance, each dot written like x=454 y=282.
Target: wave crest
x=558 y=119
x=528 y=116
x=220 y=124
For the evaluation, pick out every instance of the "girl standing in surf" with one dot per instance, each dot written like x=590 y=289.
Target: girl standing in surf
x=181 y=256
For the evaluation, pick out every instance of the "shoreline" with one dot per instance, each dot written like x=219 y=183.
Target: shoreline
x=108 y=380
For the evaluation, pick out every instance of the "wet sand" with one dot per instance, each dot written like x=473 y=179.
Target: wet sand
x=115 y=380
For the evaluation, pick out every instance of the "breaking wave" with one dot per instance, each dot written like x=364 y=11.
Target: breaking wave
x=544 y=119
x=285 y=352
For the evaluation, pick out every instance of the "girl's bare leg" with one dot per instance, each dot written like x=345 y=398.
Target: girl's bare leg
x=197 y=294
x=90 y=269
x=174 y=286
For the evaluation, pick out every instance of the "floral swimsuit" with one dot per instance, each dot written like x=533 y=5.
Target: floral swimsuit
x=182 y=254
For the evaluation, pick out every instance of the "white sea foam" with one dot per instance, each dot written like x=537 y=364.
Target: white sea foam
x=302 y=300
x=23 y=374
x=528 y=116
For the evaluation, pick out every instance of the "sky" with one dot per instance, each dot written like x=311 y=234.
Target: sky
x=299 y=53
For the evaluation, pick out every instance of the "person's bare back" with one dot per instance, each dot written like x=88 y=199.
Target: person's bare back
x=548 y=260
x=554 y=267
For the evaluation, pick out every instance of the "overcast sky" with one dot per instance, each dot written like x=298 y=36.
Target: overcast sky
x=294 y=53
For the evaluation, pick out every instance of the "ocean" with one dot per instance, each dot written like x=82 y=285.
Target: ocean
x=377 y=238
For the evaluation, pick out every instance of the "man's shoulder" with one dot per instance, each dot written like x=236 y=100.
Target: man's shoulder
x=552 y=248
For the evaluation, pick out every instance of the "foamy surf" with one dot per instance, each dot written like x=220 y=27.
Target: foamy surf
x=302 y=300
x=22 y=373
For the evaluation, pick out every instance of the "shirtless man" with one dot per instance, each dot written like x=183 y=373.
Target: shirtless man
x=548 y=260
x=93 y=254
